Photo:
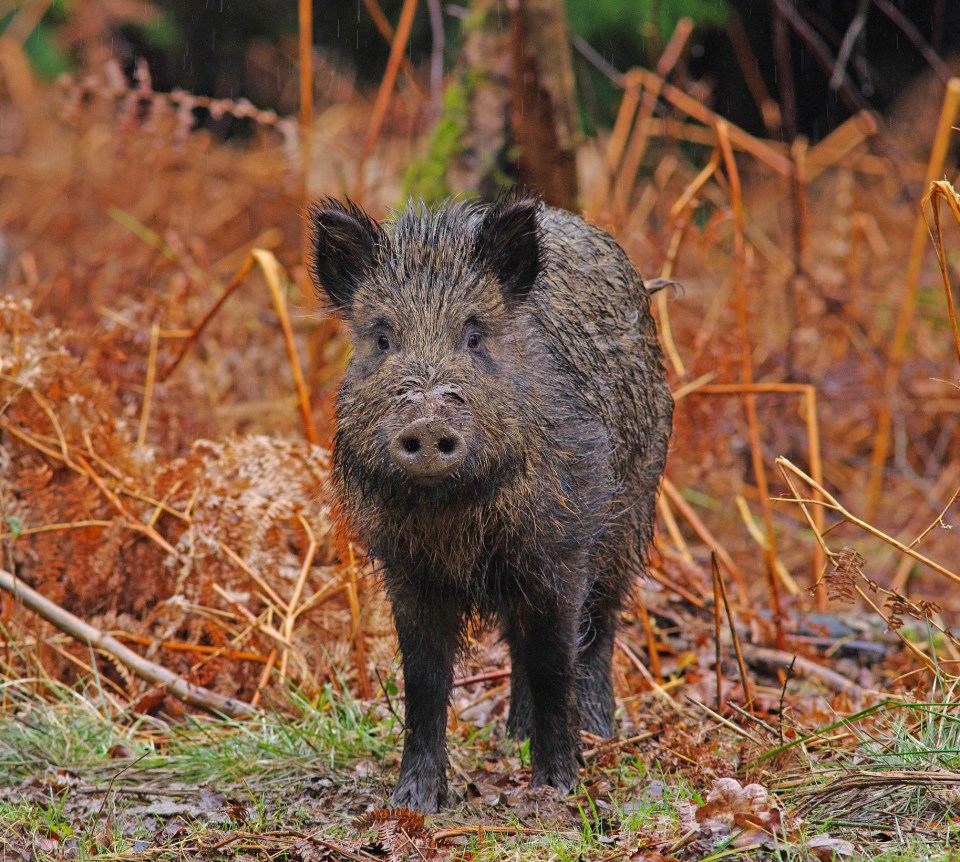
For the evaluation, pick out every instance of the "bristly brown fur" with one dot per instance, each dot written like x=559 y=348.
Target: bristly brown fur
x=565 y=415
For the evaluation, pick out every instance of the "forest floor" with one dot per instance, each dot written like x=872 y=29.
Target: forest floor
x=163 y=480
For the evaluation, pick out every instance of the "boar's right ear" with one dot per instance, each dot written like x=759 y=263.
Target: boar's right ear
x=508 y=241
x=345 y=242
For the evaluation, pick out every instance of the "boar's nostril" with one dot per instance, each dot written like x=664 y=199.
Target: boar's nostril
x=447 y=445
x=411 y=445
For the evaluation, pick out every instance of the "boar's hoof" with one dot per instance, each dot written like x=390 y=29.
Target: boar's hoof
x=428 y=450
x=425 y=794
x=561 y=773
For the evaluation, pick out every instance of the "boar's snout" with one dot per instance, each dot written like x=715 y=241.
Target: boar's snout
x=428 y=449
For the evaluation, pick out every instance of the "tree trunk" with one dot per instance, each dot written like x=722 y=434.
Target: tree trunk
x=543 y=110
x=521 y=118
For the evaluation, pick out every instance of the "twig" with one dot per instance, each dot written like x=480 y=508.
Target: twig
x=750 y=70
x=176 y=686
x=652 y=651
x=271 y=272
x=726 y=722
x=197 y=331
x=821 y=53
x=783 y=58
x=657 y=689
x=849 y=40
x=933 y=59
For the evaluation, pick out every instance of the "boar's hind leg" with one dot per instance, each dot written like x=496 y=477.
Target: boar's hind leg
x=428 y=643
x=520 y=717
x=543 y=646
x=594 y=683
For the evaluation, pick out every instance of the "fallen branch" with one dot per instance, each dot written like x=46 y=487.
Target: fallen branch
x=173 y=684
x=782 y=660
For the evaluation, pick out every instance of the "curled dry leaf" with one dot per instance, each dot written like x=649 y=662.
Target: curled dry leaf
x=827 y=849
x=746 y=811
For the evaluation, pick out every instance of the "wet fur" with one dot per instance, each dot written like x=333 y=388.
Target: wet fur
x=566 y=415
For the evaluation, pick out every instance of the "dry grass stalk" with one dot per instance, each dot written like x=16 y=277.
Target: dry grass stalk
x=842 y=141
x=379 y=113
x=359 y=643
x=148 y=384
x=720 y=596
x=898 y=345
x=679 y=219
x=653 y=652
x=180 y=688
x=623 y=186
x=673 y=529
x=305 y=55
x=718 y=651
x=737 y=136
x=305 y=63
x=382 y=24
x=788 y=469
x=846 y=577
x=749 y=522
x=808 y=398
x=272 y=273
x=290 y=615
x=941 y=191
x=681 y=505
x=746 y=370
x=615 y=145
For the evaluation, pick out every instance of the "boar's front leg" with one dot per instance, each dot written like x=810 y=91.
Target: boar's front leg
x=543 y=640
x=429 y=635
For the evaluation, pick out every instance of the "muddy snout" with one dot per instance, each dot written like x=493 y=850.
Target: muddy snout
x=428 y=449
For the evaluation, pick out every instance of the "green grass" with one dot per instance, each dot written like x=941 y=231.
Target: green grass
x=278 y=780
x=66 y=729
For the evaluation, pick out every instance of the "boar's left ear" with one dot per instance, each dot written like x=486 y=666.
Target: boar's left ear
x=345 y=243
x=508 y=241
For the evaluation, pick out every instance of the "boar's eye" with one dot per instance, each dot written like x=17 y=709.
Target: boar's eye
x=474 y=340
x=383 y=343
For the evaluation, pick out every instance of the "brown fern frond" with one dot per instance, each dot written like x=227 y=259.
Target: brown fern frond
x=841 y=579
